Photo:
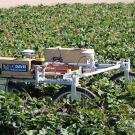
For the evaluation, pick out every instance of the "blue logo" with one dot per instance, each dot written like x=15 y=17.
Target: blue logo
x=14 y=67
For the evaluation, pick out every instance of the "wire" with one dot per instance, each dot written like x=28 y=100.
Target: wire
x=80 y=59
x=59 y=58
x=59 y=52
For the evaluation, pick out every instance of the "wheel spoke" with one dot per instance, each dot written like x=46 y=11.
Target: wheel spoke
x=84 y=98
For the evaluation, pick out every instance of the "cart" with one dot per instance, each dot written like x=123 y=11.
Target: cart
x=59 y=72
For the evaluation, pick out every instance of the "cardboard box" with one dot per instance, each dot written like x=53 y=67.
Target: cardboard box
x=15 y=68
x=69 y=55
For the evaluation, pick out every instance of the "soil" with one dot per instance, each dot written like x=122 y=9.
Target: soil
x=14 y=3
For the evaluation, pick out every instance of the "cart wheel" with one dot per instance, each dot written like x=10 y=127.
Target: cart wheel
x=119 y=78
x=13 y=87
x=85 y=97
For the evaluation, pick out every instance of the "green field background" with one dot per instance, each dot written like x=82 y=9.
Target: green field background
x=108 y=28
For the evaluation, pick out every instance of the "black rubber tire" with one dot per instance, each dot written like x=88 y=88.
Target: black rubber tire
x=120 y=75
x=12 y=87
x=67 y=90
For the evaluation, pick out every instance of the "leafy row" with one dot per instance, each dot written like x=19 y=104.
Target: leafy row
x=23 y=115
x=108 y=28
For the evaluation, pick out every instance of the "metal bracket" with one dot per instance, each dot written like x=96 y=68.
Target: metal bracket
x=75 y=83
x=36 y=76
x=126 y=71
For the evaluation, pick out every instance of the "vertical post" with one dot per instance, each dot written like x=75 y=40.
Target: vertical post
x=43 y=72
x=126 y=71
x=44 y=67
x=73 y=87
x=4 y=84
x=36 y=76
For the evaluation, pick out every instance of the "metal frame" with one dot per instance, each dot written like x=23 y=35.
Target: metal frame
x=73 y=78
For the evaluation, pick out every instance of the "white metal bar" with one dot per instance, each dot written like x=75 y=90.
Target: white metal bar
x=43 y=80
x=105 y=65
x=75 y=82
x=100 y=71
x=80 y=64
x=22 y=80
x=43 y=72
x=3 y=84
x=57 y=81
x=36 y=75
x=75 y=64
x=126 y=71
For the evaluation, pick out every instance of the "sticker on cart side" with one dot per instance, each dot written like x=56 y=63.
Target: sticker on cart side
x=14 y=67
